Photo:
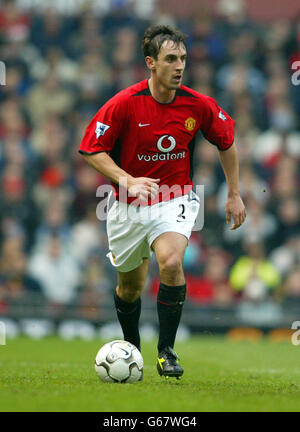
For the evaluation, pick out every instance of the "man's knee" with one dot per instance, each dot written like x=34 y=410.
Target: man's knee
x=170 y=264
x=129 y=292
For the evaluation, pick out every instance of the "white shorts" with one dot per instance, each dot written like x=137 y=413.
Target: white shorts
x=132 y=230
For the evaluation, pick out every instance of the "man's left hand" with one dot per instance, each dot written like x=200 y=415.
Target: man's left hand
x=235 y=208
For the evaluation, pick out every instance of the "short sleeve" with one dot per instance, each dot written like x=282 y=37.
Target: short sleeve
x=217 y=126
x=105 y=128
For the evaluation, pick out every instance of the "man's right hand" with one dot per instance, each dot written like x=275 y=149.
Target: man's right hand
x=143 y=187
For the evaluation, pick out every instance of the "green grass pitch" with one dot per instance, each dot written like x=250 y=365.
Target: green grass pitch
x=56 y=375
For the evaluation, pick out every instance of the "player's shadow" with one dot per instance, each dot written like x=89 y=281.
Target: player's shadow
x=173 y=382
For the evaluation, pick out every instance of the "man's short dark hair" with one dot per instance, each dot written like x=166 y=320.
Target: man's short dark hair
x=156 y=35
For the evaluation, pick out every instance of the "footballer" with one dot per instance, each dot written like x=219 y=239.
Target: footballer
x=143 y=141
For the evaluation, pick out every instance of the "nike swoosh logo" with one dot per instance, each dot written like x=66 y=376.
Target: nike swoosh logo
x=142 y=125
x=126 y=352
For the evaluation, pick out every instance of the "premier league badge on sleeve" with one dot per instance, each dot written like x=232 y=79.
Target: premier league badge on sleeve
x=101 y=128
x=222 y=116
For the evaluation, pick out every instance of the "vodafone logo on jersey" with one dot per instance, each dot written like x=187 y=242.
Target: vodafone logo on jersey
x=166 y=149
x=165 y=145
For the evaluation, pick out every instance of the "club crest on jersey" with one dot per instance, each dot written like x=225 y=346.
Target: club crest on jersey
x=190 y=124
x=222 y=116
x=101 y=128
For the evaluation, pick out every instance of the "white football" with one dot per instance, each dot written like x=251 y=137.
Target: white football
x=119 y=361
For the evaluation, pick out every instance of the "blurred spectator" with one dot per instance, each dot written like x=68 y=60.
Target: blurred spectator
x=278 y=35
x=289 y=218
x=88 y=235
x=87 y=182
x=235 y=14
x=15 y=203
x=253 y=275
x=213 y=286
x=14 y=24
x=162 y=15
x=202 y=76
x=48 y=97
x=291 y=285
x=55 y=61
x=95 y=71
x=86 y=35
x=259 y=226
x=125 y=48
x=17 y=83
x=205 y=39
x=284 y=182
x=16 y=283
x=120 y=15
x=204 y=175
x=54 y=222
x=96 y=287
x=194 y=257
x=94 y=81
x=213 y=222
x=13 y=120
x=12 y=247
x=280 y=138
x=287 y=256
x=239 y=80
x=57 y=271
x=50 y=131
x=49 y=30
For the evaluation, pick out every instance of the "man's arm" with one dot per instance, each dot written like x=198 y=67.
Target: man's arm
x=140 y=187
x=234 y=205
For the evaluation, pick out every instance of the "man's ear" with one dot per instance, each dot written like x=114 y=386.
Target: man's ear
x=150 y=62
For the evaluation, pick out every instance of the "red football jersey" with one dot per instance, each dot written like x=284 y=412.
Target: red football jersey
x=151 y=139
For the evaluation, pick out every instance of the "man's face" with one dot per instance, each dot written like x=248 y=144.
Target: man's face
x=170 y=65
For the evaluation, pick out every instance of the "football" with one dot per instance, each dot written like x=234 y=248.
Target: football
x=119 y=361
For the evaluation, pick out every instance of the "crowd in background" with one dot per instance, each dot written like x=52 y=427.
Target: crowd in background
x=60 y=69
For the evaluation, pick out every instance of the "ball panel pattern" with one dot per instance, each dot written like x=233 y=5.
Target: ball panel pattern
x=119 y=361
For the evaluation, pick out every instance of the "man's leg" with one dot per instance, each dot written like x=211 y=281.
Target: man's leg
x=169 y=249
x=128 y=302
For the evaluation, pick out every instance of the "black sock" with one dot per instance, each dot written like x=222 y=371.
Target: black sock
x=129 y=315
x=170 y=301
